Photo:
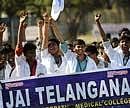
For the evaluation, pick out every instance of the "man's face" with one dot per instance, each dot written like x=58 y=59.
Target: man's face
x=30 y=55
x=11 y=58
x=53 y=48
x=91 y=55
x=79 y=49
x=125 y=45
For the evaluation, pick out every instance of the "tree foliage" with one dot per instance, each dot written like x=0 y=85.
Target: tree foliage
x=75 y=10
x=12 y=7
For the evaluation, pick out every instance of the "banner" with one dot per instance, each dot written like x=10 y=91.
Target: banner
x=103 y=89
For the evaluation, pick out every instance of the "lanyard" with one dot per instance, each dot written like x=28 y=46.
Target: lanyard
x=58 y=60
x=125 y=60
x=11 y=71
x=79 y=64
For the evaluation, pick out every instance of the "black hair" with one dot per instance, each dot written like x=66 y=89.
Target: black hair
x=70 y=45
x=92 y=49
x=123 y=30
x=79 y=42
x=5 y=48
x=114 y=39
x=29 y=46
x=125 y=36
x=55 y=40
x=94 y=43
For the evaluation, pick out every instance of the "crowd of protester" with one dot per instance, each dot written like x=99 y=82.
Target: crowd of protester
x=53 y=56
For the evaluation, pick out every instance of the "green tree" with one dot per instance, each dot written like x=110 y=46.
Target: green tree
x=123 y=9
x=76 y=10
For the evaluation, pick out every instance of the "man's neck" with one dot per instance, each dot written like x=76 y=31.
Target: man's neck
x=56 y=54
x=30 y=62
x=12 y=65
x=126 y=53
x=81 y=57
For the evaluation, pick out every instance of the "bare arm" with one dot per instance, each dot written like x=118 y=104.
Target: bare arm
x=40 y=35
x=21 y=30
x=21 y=34
x=102 y=33
x=24 y=28
x=45 y=31
x=56 y=31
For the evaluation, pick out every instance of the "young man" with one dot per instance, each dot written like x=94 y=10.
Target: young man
x=7 y=57
x=65 y=61
x=26 y=63
x=52 y=57
x=92 y=52
x=76 y=60
x=119 y=57
x=81 y=62
x=10 y=70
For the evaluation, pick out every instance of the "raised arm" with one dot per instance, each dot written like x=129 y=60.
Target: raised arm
x=40 y=25
x=2 y=29
x=21 y=30
x=102 y=33
x=56 y=30
x=45 y=29
x=21 y=34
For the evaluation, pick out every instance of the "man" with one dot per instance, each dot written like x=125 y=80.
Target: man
x=92 y=52
x=52 y=57
x=7 y=60
x=81 y=62
x=119 y=57
x=26 y=63
x=9 y=65
x=76 y=60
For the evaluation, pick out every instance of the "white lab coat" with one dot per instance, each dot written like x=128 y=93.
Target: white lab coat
x=72 y=61
x=103 y=64
x=52 y=68
x=116 y=56
x=23 y=68
x=8 y=70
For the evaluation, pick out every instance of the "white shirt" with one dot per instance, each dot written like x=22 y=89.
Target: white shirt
x=52 y=68
x=23 y=68
x=72 y=60
x=38 y=55
x=102 y=64
x=9 y=73
x=116 y=56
